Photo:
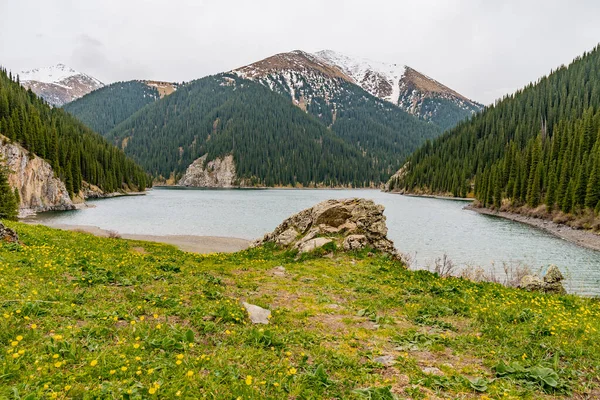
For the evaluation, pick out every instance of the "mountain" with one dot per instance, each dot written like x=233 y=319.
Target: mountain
x=58 y=84
x=105 y=108
x=272 y=141
x=33 y=133
x=537 y=147
x=299 y=72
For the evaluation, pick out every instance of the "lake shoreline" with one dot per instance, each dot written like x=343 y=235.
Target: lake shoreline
x=586 y=239
x=187 y=243
x=176 y=187
x=433 y=196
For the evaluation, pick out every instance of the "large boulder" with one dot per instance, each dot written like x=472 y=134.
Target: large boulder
x=351 y=223
x=8 y=235
x=551 y=283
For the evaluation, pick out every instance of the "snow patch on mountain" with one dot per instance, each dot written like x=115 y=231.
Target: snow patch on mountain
x=53 y=74
x=59 y=84
x=378 y=78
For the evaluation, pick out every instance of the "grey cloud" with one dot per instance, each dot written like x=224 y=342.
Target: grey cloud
x=477 y=48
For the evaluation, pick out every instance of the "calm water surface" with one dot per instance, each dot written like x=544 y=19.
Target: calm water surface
x=426 y=229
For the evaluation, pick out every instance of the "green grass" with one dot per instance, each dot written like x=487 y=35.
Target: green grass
x=87 y=317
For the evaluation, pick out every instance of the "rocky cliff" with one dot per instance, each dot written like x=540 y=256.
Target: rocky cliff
x=219 y=173
x=39 y=189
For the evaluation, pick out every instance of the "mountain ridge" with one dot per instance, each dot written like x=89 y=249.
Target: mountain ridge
x=403 y=86
x=58 y=84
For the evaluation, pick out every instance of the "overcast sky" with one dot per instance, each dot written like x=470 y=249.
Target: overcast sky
x=482 y=49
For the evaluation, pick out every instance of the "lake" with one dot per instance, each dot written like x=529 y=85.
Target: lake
x=423 y=228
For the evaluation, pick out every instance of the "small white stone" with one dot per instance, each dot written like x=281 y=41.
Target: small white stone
x=258 y=315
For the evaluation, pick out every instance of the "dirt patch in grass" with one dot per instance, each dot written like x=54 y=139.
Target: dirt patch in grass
x=139 y=250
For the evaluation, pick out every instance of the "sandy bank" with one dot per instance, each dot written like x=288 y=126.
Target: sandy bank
x=582 y=238
x=189 y=243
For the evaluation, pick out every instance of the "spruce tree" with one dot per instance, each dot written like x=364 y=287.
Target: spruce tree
x=8 y=204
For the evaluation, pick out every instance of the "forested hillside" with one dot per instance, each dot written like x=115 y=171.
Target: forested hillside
x=378 y=127
x=538 y=146
x=273 y=142
x=105 y=108
x=75 y=152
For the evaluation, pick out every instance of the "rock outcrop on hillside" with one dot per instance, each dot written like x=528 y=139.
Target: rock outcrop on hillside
x=351 y=224
x=218 y=173
x=40 y=190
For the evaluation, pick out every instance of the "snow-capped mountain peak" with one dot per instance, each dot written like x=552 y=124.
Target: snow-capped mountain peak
x=52 y=74
x=59 y=84
x=378 y=78
x=321 y=75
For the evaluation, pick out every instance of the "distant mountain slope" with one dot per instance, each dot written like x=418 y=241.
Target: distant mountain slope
x=538 y=146
x=105 y=108
x=272 y=141
x=353 y=114
x=58 y=84
x=75 y=153
x=316 y=78
x=406 y=87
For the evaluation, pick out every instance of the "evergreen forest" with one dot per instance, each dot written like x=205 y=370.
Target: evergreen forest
x=273 y=141
x=105 y=108
x=75 y=152
x=539 y=146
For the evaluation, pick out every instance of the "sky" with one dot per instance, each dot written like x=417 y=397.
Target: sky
x=482 y=49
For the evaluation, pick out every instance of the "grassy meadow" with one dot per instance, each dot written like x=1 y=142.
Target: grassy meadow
x=95 y=318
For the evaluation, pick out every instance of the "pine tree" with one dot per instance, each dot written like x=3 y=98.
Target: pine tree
x=8 y=204
x=592 y=195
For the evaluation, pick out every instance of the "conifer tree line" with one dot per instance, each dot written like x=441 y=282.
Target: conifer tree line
x=107 y=107
x=9 y=198
x=75 y=152
x=538 y=146
x=273 y=142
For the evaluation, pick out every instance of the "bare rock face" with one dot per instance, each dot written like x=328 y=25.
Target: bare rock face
x=8 y=235
x=216 y=173
x=40 y=190
x=354 y=242
x=551 y=283
x=312 y=244
x=350 y=223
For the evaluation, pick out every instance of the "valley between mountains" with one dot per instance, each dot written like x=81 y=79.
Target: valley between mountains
x=295 y=119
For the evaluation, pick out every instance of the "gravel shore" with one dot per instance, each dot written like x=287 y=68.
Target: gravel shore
x=580 y=237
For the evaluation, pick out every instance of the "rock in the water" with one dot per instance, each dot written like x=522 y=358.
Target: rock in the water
x=8 y=235
x=350 y=223
x=386 y=361
x=258 y=315
x=312 y=244
x=550 y=284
